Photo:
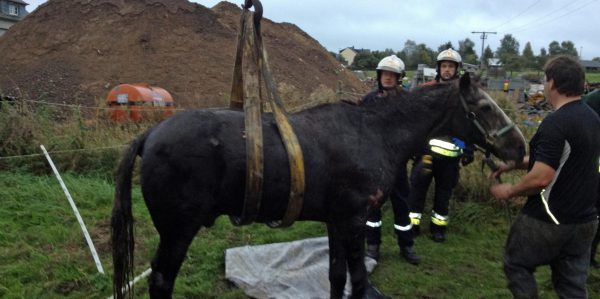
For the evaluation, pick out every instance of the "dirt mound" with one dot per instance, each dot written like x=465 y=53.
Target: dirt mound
x=75 y=51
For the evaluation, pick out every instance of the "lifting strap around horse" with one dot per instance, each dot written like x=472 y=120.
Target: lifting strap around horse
x=251 y=67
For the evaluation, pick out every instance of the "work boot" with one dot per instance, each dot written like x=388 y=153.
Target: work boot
x=373 y=293
x=438 y=237
x=438 y=233
x=409 y=254
x=373 y=251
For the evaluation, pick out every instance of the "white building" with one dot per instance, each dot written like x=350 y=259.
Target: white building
x=11 y=11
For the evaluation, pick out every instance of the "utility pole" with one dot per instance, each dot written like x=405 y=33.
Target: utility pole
x=483 y=37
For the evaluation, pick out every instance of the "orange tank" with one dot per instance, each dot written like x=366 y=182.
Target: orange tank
x=138 y=102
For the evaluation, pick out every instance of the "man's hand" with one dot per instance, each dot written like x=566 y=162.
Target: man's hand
x=502 y=168
x=501 y=192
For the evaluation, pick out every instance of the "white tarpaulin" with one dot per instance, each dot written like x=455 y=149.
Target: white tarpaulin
x=298 y=269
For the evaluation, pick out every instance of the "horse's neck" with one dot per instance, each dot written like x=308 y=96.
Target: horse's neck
x=413 y=120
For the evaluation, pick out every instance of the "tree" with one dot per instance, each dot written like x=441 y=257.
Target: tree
x=408 y=54
x=487 y=54
x=423 y=55
x=508 y=52
x=596 y=59
x=568 y=48
x=364 y=60
x=527 y=57
x=381 y=54
x=466 y=49
x=554 y=48
x=565 y=48
x=447 y=45
x=541 y=60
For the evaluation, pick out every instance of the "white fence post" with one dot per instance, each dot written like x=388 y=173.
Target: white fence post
x=83 y=228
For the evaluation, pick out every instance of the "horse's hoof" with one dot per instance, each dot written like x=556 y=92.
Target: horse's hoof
x=373 y=293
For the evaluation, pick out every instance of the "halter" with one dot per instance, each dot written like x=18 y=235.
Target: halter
x=490 y=139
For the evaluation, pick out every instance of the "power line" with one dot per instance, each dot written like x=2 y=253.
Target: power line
x=561 y=16
x=536 y=20
x=518 y=15
x=483 y=37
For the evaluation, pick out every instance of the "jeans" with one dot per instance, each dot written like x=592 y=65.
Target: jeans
x=565 y=247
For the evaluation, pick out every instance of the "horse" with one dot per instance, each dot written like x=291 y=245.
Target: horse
x=193 y=170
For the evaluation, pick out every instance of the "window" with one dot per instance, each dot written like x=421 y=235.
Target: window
x=13 y=10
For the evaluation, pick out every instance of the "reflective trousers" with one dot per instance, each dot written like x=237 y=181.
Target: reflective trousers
x=445 y=171
x=402 y=224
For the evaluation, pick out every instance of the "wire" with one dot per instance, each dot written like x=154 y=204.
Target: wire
x=544 y=19
x=518 y=15
x=64 y=151
x=561 y=16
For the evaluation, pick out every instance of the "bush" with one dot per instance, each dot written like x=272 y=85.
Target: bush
x=87 y=146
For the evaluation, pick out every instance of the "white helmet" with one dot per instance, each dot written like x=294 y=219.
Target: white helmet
x=391 y=63
x=449 y=55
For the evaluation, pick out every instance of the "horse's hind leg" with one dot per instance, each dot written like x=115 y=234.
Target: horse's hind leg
x=165 y=266
x=169 y=256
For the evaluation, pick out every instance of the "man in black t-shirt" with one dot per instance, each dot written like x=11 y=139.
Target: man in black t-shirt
x=559 y=220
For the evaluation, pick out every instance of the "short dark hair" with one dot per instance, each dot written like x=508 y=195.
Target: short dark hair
x=567 y=73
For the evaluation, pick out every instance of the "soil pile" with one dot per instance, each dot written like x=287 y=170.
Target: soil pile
x=75 y=51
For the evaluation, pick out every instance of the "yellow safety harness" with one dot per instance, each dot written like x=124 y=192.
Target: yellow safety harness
x=251 y=67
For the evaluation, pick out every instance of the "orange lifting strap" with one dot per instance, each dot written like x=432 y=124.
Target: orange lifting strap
x=251 y=67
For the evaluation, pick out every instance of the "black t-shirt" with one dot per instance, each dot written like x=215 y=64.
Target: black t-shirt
x=568 y=140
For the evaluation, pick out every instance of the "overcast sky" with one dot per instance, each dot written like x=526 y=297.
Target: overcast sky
x=381 y=24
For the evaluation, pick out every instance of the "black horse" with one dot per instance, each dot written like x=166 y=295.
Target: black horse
x=194 y=167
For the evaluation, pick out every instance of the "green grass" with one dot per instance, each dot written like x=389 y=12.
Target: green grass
x=44 y=255
x=592 y=77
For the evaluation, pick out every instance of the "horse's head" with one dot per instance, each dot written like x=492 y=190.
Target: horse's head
x=487 y=125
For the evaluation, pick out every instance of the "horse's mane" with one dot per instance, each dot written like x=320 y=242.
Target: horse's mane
x=404 y=103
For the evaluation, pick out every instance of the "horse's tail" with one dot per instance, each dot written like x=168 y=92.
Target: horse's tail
x=122 y=221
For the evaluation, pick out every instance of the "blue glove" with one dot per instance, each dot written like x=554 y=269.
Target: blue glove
x=458 y=142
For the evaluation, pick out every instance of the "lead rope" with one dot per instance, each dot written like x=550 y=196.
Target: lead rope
x=494 y=167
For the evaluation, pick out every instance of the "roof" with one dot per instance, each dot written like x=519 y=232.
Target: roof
x=18 y=1
x=354 y=49
x=12 y=18
x=494 y=62
x=348 y=48
x=590 y=63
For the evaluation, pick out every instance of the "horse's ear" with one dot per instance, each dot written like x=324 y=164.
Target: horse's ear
x=465 y=81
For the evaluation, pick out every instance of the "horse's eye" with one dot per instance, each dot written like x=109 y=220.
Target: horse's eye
x=485 y=107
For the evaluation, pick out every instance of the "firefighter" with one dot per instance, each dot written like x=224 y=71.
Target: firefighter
x=390 y=71
x=440 y=161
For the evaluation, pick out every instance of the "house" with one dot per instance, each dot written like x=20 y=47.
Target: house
x=471 y=68
x=494 y=62
x=348 y=53
x=591 y=65
x=11 y=11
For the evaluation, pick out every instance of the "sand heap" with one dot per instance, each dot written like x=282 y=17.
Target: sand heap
x=75 y=51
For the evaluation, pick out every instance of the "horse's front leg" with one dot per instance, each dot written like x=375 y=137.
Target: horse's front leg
x=347 y=251
x=337 y=262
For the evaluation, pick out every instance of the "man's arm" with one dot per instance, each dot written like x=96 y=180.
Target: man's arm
x=538 y=178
